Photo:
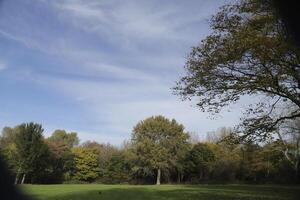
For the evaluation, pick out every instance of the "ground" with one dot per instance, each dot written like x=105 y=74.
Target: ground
x=162 y=192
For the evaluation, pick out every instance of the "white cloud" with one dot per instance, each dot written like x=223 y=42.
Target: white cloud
x=2 y=66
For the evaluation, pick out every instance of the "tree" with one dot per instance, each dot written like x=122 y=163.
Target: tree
x=62 y=161
x=105 y=152
x=8 y=147
x=289 y=138
x=86 y=164
x=226 y=135
x=248 y=53
x=199 y=159
x=157 y=142
x=9 y=153
x=8 y=136
x=261 y=162
x=117 y=169
x=226 y=148
x=69 y=139
x=32 y=154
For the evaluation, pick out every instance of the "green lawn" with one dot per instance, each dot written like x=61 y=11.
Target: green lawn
x=163 y=192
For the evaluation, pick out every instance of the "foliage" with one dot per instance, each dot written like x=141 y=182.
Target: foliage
x=158 y=143
x=32 y=155
x=62 y=161
x=86 y=164
x=199 y=161
x=70 y=139
x=221 y=158
x=247 y=54
x=118 y=169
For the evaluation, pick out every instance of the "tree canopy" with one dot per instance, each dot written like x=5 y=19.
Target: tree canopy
x=69 y=139
x=86 y=162
x=158 y=143
x=31 y=151
x=247 y=53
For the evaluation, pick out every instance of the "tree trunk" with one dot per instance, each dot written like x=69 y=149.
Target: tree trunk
x=178 y=177
x=17 y=176
x=295 y=163
x=17 y=179
x=297 y=170
x=23 y=179
x=201 y=175
x=158 y=176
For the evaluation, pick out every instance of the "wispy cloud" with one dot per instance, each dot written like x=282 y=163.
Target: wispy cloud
x=2 y=65
x=116 y=107
x=131 y=18
x=116 y=60
x=130 y=25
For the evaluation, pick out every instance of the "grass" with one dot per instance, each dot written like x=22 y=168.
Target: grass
x=162 y=192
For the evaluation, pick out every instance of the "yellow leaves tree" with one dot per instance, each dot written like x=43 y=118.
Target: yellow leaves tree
x=86 y=164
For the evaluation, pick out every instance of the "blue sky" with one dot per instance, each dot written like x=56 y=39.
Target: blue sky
x=97 y=67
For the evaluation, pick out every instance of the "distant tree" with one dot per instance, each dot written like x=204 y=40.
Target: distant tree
x=250 y=162
x=261 y=165
x=226 y=148
x=247 y=54
x=70 y=139
x=282 y=170
x=194 y=138
x=86 y=164
x=32 y=154
x=118 y=169
x=105 y=152
x=199 y=160
x=222 y=134
x=8 y=147
x=9 y=152
x=62 y=161
x=8 y=136
x=158 y=142
x=92 y=144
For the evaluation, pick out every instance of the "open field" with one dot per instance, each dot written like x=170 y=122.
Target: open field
x=163 y=192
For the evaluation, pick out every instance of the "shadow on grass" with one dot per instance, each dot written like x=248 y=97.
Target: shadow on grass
x=184 y=193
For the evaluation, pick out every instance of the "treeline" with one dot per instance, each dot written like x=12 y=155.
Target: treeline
x=159 y=151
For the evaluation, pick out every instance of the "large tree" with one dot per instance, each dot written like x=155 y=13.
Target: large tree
x=158 y=143
x=249 y=54
x=32 y=154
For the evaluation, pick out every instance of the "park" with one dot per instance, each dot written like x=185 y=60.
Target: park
x=149 y=100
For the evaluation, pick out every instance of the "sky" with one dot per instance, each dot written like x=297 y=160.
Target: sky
x=98 y=67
